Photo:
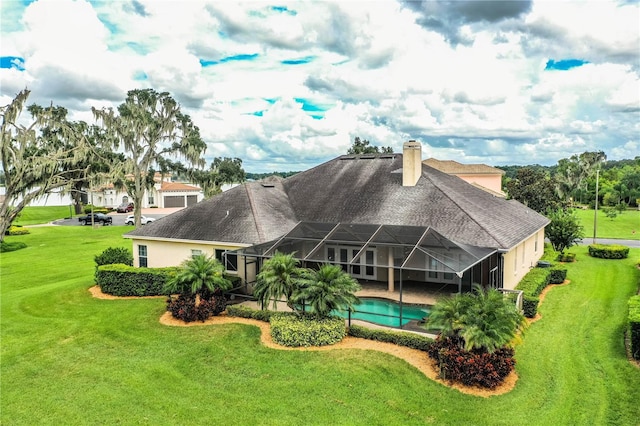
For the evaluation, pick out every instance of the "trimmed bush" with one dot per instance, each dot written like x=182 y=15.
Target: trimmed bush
x=114 y=255
x=634 y=326
x=557 y=275
x=608 y=251
x=293 y=330
x=410 y=340
x=87 y=209
x=530 y=305
x=17 y=230
x=125 y=280
x=532 y=285
x=6 y=247
x=247 y=312
x=566 y=257
x=471 y=368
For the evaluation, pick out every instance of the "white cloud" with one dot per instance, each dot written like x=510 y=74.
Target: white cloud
x=474 y=88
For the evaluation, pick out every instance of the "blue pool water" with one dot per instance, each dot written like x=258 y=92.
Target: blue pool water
x=385 y=312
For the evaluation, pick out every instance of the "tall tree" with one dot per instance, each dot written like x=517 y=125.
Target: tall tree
x=150 y=126
x=35 y=163
x=564 y=230
x=361 y=146
x=535 y=189
x=572 y=172
x=222 y=170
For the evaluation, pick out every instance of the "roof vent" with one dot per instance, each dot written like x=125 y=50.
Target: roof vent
x=348 y=158
x=268 y=185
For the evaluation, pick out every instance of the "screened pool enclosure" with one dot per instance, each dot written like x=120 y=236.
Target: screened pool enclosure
x=384 y=253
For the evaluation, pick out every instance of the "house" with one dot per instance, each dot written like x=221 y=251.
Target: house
x=485 y=177
x=164 y=194
x=384 y=217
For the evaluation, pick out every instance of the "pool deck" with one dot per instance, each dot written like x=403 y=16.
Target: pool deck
x=412 y=292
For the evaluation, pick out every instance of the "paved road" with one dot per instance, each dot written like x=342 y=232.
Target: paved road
x=628 y=243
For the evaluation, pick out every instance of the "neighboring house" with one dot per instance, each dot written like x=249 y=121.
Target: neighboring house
x=481 y=175
x=55 y=198
x=164 y=194
x=383 y=217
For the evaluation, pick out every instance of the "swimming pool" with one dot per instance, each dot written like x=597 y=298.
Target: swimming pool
x=385 y=312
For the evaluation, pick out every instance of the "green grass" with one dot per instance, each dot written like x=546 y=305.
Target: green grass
x=38 y=215
x=70 y=359
x=625 y=226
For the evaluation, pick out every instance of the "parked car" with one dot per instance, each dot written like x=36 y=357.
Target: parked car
x=125 y=208
x=131 y=219
x=97 y=218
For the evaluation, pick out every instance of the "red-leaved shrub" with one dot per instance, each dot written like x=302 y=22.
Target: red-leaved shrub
x=471 y=368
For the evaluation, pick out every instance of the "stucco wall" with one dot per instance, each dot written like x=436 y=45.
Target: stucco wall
x=492 y=182
x=516 y=265
x=164 y=253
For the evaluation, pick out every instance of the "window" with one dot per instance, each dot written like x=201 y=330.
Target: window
x=433 y=265
x=142 y=256
x=524 y=246
x=231 y=263
x=195 y=253
x=151 y=200
x=362 y=267
x=535 y=243
x=515 y=260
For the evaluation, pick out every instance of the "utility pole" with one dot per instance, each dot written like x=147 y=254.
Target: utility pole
x=595 y=216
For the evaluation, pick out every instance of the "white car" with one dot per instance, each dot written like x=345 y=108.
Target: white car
x=131 y=219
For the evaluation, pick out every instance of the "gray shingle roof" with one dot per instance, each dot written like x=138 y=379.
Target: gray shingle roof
x=353 y=189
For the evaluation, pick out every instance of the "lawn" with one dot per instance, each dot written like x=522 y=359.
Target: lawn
x=68 y=358
x=36 y=215
x=625 y=226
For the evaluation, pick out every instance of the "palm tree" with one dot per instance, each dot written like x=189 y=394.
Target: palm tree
x=278 y=278
x=198 y=275
x=485 y=319
x=327 y=289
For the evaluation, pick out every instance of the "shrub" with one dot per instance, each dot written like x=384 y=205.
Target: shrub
x=88 y=209
x=289 y=329
x=410 y=340
x=608 y=251
x=247 y=312
x=184 y=307
x=6 y=247
x=634 y=326
x=566 y=257
x=17 y=230
x=532 y=285
x=125 y=280
x=557 y=275
x=471 y=368
x=530 y=306
x=114 y=255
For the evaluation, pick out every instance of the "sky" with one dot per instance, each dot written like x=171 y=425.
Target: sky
x=288 y=85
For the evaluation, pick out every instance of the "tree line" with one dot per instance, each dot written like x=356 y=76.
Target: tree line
x=124 y=148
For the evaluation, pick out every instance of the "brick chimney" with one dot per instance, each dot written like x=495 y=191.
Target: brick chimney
x=411 y=163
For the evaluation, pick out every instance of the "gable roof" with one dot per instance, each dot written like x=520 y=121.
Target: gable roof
x=453 y=167
x=365 y=189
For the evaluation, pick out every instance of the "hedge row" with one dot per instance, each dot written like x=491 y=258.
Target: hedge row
x=247 y=312
x=294 y=330
x=410 y=340
x=634 y=326
x=124 y=280
x=608 y=251
x=534 y=282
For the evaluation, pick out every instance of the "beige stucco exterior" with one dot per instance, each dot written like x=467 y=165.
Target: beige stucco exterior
x=492 y=182
x=161 y=253
x=521 y=258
